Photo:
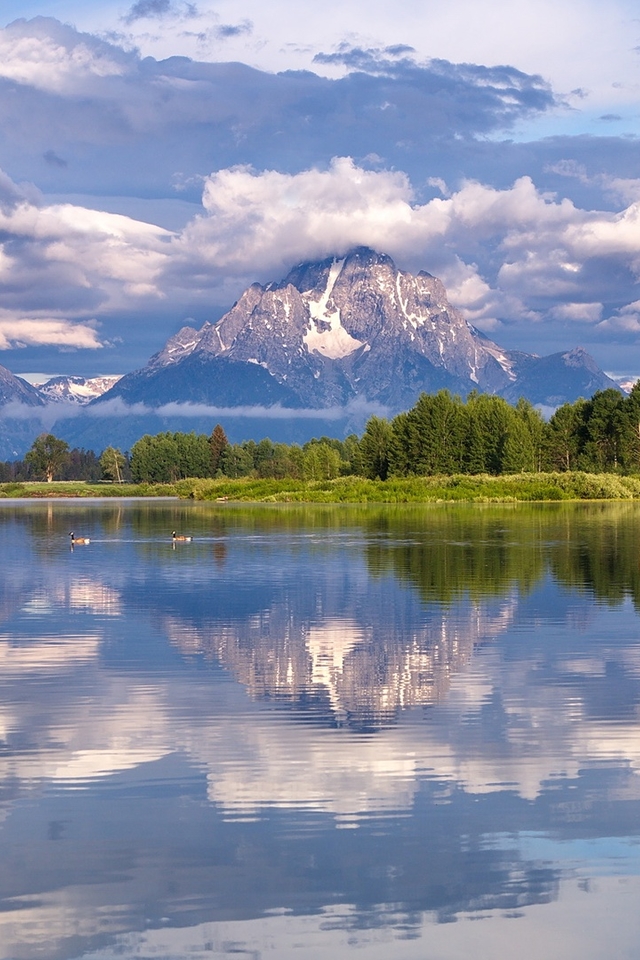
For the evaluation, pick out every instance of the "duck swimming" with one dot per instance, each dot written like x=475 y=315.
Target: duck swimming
x=179 y=536
x=75 y=539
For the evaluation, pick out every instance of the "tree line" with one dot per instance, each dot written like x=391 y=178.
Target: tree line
x=441 y=434
x=51 y=459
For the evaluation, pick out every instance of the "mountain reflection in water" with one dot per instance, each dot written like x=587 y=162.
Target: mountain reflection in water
x=318 y=729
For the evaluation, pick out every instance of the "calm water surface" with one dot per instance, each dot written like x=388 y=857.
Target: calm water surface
x=319 y=732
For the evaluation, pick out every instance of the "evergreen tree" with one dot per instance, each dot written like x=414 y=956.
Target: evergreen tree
x=493 y=417
x=604 y=430
x=263 y=457
x=401 y=454
x=537 y=431
x=474 y=453
x=518 y=451
x=280 y=466
x=563 y=437
x=429 y=438
x=352 y=462
x=142 y=459
x=631 y=430
x=81 y=465
x=217 y=444
x=236 y=461
x=375 y=448
x=295 y=460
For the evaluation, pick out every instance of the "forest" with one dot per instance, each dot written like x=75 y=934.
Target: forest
x=441 y=435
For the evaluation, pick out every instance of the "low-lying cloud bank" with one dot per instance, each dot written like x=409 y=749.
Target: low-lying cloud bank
x=53 y=413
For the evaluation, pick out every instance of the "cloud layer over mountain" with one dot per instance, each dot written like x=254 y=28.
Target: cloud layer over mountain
x=138 y=192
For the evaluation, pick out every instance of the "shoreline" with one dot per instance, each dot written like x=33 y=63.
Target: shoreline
x=459 y=488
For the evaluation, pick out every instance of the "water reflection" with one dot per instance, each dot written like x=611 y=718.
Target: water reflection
x=345 y=725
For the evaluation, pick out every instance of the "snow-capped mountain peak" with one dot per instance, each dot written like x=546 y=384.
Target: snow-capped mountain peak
x=79 y=390
x=346 y=328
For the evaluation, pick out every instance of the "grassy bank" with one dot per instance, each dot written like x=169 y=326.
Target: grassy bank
x=483 y=488
x=480 y=489
x=80 y=488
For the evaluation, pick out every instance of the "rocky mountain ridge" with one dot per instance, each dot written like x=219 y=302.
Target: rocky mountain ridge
x=345 y=329
x=16 y=390
x=76 y=390
x=315 y=353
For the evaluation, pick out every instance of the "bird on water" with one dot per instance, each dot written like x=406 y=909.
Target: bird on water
x=75 y=539
x=179 y=536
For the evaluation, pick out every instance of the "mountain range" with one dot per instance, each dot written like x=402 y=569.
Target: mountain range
x=316 y=352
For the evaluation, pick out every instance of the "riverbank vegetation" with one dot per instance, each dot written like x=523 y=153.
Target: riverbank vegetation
x=481 y=488
x=444 y=448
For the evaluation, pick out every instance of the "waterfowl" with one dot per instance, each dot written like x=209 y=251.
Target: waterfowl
x=75 y=539
x=179 y=536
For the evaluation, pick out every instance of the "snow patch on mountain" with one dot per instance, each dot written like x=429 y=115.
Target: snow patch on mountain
x=345 y=329
x=77 y=390
x=325 y=334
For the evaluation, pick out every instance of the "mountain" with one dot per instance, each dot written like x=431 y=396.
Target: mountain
x=20 y=404
x=343 y=330
x=77 y=390
x=315 y=353
x=16 y=390
x=557 y=379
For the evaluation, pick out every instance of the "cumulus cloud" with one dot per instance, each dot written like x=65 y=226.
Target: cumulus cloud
x=268 y=220
x=52 y=56
x=19 y=332
x=505 y=255
x=123 y=123
x=625 y=320
x=581 y=312
x=61 y=261
x=511 y=254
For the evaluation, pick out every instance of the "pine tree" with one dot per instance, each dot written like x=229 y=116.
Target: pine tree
x=474 y=456
x=217 y=443
x=564 y=436
x=603 y=421
x=375 y=448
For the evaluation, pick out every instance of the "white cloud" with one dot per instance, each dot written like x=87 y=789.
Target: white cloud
x=510 y=253
x=505 y=255
x=271 y=220
x=582 y=312
x=53 y=57
x=60 y=263
x=626 y=320
x=555 y=38
x=17 y=332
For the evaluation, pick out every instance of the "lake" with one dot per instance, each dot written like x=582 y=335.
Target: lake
x=368 y=732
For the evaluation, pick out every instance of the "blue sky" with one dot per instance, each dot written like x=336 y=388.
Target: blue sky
x=157 y=156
